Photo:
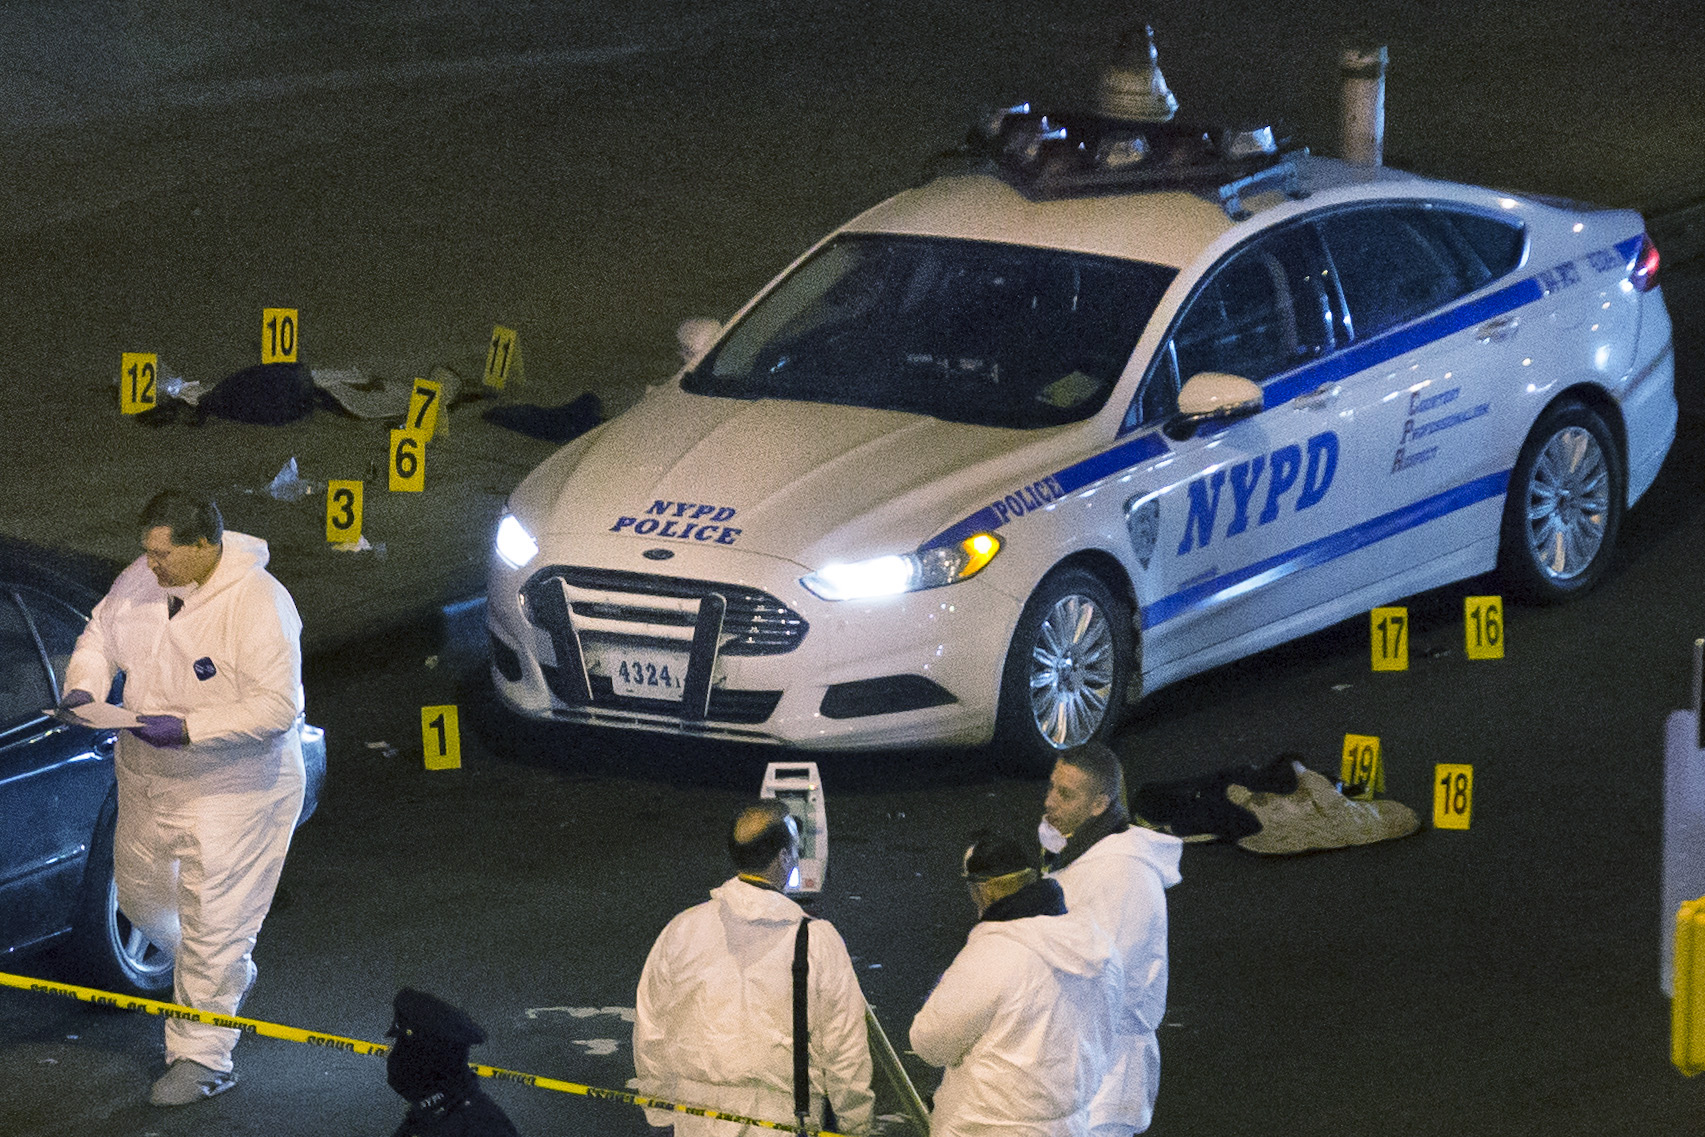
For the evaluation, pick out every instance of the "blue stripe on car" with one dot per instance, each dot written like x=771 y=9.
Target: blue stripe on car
x=1329 y=548
x=1281 y=389
x=1073 y=477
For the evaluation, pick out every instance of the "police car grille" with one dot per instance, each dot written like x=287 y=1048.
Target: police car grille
x=755 y=623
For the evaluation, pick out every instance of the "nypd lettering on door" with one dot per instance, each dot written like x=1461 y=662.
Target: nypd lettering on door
x=682 y=521
x=1292 y=477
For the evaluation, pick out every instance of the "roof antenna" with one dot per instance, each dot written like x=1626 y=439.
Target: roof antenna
x=1132 y=87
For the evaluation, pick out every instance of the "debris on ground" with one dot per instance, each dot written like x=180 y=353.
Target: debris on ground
x=187 y=390
x=551 y=424
x=267 y=394
x=168 y=411
x=1317 y=815
x=363 y=395
x=287 y=484
x=371 y=397
x=1280 y=806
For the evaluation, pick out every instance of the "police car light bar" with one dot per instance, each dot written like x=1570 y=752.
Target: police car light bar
x=1050 y=154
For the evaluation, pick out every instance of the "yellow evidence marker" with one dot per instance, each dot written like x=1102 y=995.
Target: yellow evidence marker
x=1687 y=1009
x=441 y=738
x=343 y=512
x=408 y=461
x=1483 y=626
x=503 y=358
x=1362 y=764
x=423 y=407
x=138 y=372
x=1453 y=795
x=279 y=333
x=1390 y=627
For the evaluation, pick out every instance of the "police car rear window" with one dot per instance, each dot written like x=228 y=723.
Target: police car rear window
x=964 y=331
x=1498 y=244
x=1396 y=263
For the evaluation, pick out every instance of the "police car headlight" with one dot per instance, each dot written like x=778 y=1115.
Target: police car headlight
x=514 y=544
x=910 y=572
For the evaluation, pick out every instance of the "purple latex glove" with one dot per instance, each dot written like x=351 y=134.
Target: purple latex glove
x=161 y=730
x=75 y=698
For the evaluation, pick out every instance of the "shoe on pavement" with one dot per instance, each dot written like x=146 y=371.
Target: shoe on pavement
x=187 y=1081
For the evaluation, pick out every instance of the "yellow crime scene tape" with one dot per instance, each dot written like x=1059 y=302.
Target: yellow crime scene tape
x=377 y=1049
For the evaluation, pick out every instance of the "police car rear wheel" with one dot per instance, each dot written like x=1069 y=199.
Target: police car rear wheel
x=1066 y=671
x=1564 y=507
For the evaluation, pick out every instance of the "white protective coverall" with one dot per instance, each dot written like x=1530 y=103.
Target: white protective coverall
x=1023 y=1021
x=203 y=828
x=713 y=1021
x=1121 y=881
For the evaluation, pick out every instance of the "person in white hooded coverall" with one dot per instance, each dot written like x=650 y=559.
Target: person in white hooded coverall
x=1023 y=1020
x=713 y=1019
x=211 y=783
x=1117 y=874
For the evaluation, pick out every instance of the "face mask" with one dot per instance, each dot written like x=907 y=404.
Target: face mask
x=1052 y=839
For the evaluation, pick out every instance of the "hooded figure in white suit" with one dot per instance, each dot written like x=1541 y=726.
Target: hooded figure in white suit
x=1023 y=1020
x=1118 y=875
x=713 y=1018
x=210 y=784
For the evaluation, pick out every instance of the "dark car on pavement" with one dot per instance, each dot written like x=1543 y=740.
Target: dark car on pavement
x=58 y=798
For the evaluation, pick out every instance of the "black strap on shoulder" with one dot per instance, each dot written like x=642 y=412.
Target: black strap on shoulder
x=801 y=1028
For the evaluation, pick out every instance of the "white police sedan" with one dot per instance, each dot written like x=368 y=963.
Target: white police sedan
x=1116 y=405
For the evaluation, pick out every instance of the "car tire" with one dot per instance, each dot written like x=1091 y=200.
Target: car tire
x=1066 y=673
x=105 y=950
x=1564 y=506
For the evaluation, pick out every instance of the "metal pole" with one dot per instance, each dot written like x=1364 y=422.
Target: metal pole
x=1699 y=692
x=1362 y=71
x=889 y=1063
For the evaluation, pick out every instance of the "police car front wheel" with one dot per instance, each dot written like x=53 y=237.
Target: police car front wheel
x=1564 y=506
x=1066 y=672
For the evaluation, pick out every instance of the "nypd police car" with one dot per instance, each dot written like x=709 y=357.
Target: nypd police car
x=1115 y=403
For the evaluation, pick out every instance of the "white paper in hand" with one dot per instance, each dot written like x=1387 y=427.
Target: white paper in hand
x=99 y=716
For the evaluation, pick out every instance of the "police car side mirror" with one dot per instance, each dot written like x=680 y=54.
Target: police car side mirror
x=695 y=337
x=1213 y=396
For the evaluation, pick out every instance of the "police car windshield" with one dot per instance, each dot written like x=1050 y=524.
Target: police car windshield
x=965 y=331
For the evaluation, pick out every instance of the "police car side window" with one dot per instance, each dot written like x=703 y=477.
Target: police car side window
x=1264 y=311
x=1496 y=244
x=1397 y=263
x=1158 y=398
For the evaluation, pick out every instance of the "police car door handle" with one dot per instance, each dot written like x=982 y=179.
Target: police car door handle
x=1319 y=398
x=1497 y=330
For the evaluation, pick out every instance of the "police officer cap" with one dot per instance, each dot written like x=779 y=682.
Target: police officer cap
x=420 y=1014
x=992 y=855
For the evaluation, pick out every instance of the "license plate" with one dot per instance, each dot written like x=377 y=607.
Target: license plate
x=643 y=672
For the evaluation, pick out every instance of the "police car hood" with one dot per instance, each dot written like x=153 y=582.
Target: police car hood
x=800 y=481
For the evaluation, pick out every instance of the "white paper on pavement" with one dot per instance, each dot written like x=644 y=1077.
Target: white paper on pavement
x=100 y=716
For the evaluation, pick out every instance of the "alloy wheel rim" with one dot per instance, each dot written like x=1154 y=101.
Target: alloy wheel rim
x=1568 y=503
x=140 y=954
x=1071 y=672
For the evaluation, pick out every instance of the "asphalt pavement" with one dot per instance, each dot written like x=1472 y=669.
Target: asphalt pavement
x=409 y=179
x=406 y=180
